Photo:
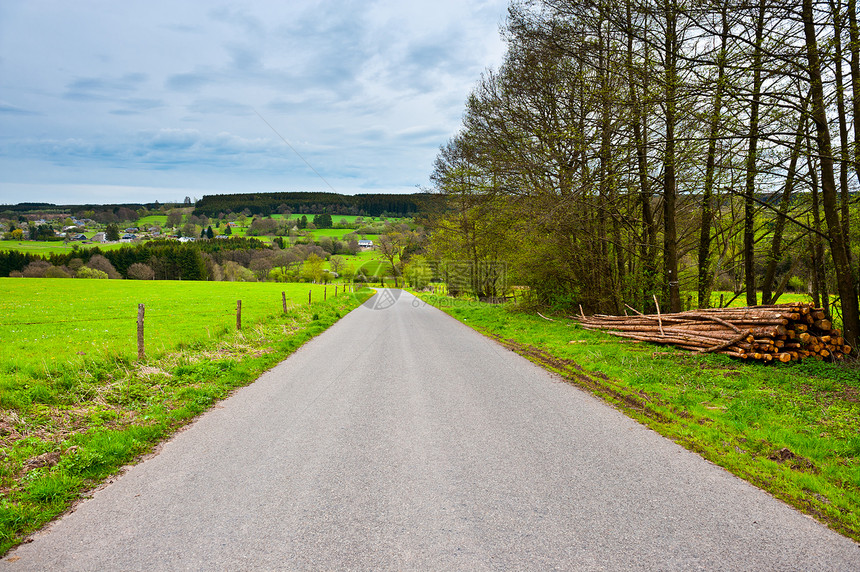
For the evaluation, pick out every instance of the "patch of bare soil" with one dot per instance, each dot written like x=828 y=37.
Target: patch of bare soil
x=786 y=456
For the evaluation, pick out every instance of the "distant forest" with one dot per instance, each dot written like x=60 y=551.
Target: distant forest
x=317 y=203
x=256 y=204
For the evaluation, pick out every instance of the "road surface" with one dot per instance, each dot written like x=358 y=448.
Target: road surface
x=402 y=440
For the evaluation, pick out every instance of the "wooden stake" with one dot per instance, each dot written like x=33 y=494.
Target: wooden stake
x=238 y=314
x=141 y=353
x=325 y=293
x=284 y=301
x=309 y=297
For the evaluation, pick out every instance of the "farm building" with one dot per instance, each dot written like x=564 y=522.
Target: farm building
x=365 y=243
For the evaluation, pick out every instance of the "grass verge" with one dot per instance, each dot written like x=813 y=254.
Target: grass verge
x=71 y=429
x=790 y=429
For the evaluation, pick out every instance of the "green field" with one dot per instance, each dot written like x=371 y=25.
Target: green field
x=48 y=323
x=151 y=220
x=54 y=247
x=350 y=219
x=337 y=233
x=741 y=300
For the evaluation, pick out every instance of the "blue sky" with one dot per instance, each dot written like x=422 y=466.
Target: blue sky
x=108 y=102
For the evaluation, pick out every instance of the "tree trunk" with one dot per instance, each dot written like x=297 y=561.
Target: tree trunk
x=854 y=48
x=749 y=189
x=670 y=244
x=648 y=242
x=820 y=293
x=844 y=154
x=842 y=267
x=705 y=274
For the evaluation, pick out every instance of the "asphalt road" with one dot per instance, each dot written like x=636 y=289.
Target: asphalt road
x=402 y=440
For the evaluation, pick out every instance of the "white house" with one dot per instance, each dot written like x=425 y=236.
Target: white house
x=365 y=243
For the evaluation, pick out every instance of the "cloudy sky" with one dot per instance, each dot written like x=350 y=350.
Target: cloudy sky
x=133 y=101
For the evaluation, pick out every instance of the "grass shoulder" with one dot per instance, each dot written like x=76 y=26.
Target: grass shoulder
x=790 y=429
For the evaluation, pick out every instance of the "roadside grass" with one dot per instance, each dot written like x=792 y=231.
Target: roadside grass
x=790 y=429
x=67 y=427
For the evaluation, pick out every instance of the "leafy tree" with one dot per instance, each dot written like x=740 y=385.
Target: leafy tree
x=174 y=218
x=322 y=221
x=313 y=269
x=337 y=263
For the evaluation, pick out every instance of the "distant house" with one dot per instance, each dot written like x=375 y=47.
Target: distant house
x=79 y=237
x=99 y=237
x=365 y=243
x=128 y=237
x=132 y=229
x=187 y=239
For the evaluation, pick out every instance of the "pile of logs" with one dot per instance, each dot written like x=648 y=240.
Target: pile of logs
x=783 y=332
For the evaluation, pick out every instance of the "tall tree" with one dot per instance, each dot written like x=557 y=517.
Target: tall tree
x=705 y=272
x=670 y=188
x=844 y=279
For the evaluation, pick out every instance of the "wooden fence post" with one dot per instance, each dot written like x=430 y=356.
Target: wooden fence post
x=238 y=314
x=284 y=301
x=335 y=291
x=325 y=293
x=309 y=297
x=141 y=353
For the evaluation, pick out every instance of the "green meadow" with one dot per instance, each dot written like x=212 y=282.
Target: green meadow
x=48 y=322
x=54 y=247
x=151 y=220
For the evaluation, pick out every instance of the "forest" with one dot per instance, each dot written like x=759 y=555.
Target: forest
x=314 y=203
x=653 y=151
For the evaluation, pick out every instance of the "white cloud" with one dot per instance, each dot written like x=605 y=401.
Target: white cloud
x=164 y=95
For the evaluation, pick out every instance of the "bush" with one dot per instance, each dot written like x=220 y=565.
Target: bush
x=796 y=284
x=87 y=272
x=36 y=269
x=99 y=262
x=56 y=272
x=139 y=271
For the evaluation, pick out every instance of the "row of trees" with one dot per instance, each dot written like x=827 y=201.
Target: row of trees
x=642 y=148
x=316 y=203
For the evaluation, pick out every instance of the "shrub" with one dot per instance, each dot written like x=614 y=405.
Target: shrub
x=140 y=271
x=87 y=272
x=56 y=272
x=796 y=284
x=99 y=262
x=36 y=269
